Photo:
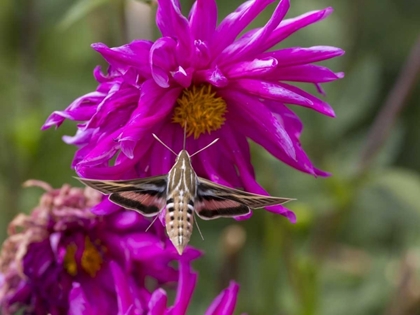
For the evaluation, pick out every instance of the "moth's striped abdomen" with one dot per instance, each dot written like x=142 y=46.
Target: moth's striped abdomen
x=179 y=221
x=181 y=192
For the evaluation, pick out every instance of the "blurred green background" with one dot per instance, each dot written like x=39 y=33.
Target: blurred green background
x=355 y=248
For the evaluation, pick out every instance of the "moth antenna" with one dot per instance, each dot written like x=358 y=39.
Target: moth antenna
x=153 y=221
x=198 y=228
x=209 y=145
x=185 y=135
x=156 y=137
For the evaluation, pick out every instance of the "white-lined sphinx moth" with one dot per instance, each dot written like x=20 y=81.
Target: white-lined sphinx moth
x=183 y=193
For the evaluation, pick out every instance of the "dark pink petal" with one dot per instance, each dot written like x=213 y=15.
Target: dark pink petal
x=134 y=54
x=203 y=19
x=143 y=246
x=225 y=302
x=162 y=60
x=186 y=285
x=290 y=120
x=81 y=137
x=297 y=56
x=183 y=77
x=117 y=171
x=157 y=303
x=103 y=151
x=164 y=159
x=156 y=104
x=127 y=220
x=249 y=69
x=319 y=89
x=100 y=301
x=119 y=100
x=122 y=288
x=248 y=177
x=202 y=55
x=105 y=206
x=251 y=112
x=317 y=104
x=209 y=166
x=304 y=73
x=290 y=26
x=213 y=76
x=81 y=109
x=245 y=47
x=271 y=90
x=235 y=23
x=176 y=26
x=264 y=133
x=79 y=305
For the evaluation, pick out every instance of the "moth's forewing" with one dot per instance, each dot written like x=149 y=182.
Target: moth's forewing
x=146 y=195
x=221 y=201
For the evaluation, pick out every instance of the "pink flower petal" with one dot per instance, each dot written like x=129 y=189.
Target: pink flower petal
x=270 y=90
x=162 y=60
x=235 y=23
x=249 y=69
x=135 y=54
x=122 y=288
x=305 y=73
x=172 y=23
x=225 y=302
x=317 y=104
x=203 y=19
x=297 y=55
x=249 y=111
x=79 y=305
x=186 y=284
x=245 y=47
x=290 y=26
x=157 y=303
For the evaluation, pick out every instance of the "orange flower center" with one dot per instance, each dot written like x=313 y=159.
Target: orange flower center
x=200 y=109
x=91 y=260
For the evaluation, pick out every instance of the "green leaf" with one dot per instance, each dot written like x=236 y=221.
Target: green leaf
x=79 y=10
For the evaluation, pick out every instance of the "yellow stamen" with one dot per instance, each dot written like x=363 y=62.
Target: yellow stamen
x=91 y=260
x=200 y=110
x=70 y=259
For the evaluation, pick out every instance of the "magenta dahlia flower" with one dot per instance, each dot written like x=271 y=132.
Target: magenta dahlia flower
x=223 y=304
x=213 y=79
x=62 y=251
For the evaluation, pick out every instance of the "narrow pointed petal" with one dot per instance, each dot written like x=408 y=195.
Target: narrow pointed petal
x=316 y=103
x=173 y=24
x=186 y=285
x=203 y=19
x=254 y=68
x=290 y=26
x=246 y=47
x=264 y=121
x=272 y=91
x=235 y=23
x=305 y=73
x=135 y=54
x=293 y=56
x=157 y=303
x=225 y=302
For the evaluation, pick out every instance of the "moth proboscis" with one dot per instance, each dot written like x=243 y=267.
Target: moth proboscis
x=183 y=193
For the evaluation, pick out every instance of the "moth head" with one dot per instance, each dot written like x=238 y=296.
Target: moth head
x=183 y=155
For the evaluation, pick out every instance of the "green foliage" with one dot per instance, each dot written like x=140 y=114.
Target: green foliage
x=354 y=229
